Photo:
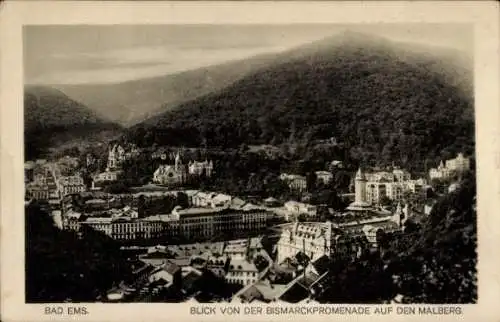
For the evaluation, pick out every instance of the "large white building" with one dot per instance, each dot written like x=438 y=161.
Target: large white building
x=299 y=208
x=116 y=156
x=178 y=173
x=190 y=223
x=70 y=184
x=371 y=188
x=445 y=170
x=210 y=199
x=242 y=271
x=107 y=176
x=312 y=239
x=208 y=222
x=294 y=181
x=196 y=168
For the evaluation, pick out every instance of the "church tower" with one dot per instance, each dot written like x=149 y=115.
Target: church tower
x=178 y=162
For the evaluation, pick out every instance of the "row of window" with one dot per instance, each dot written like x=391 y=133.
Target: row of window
x=238 y=281
x=234 y=274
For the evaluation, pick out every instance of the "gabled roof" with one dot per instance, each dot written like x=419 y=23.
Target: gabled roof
x=271 y=199
x=251 y=294
x=189 y=281
x=308 y=279
x=294 y=294
x=157 y=254
x=171 y=268
x=321 y=264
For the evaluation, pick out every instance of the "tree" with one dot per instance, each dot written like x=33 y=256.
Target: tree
x=302 y=217
x=382 y=240
x=385 y=201
x=341 y=181
x=86 y=266
x=311 y=180
x=182 y=199
x=117 y=187
x=141 y=206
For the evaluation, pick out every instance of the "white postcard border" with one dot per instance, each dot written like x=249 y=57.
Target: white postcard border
x=484 y=16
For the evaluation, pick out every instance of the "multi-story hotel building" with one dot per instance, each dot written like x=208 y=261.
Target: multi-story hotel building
x=37 y=191
x=457 y=165
x=71 y=184
x=242 y=271
x=190 y=223
x=312 y=239
x=373 y=187
x=207 y=222
x=126 y=228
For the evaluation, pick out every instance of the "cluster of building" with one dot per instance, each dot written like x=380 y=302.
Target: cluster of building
x=190 y=223
x=299 y=182
x=175 y=270
x=117 y=155
x=51 y=181
x=450 y=167
x=305 y=249
x=393 y=185
x=302 y=253
x=178 y=173
x=295 y=182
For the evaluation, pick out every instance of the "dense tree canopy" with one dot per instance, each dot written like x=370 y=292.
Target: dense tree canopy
x=382 y=108
x=61 y=266
x=51 y=118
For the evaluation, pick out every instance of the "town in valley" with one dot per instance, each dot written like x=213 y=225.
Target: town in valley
x=188 y=244
x=249 y=164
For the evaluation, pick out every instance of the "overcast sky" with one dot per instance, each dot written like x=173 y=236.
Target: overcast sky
x=108 y=54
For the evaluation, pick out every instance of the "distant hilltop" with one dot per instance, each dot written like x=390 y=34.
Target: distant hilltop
x=385 y=101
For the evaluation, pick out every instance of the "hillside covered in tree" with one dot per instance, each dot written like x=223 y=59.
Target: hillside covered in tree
x=61 y=266
x=52 y=118
x=438 y=262
x=386 y=102
x=133 y=101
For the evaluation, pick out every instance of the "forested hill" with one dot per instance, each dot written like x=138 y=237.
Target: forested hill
x=385 y=102
x=61 y=266
x=52 y=118
x=437 y=263
x=133 y=101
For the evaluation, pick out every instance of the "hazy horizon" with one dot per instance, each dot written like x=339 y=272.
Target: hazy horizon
x=84 y=54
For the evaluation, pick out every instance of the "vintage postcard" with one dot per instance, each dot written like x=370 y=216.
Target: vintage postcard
x=254 y=161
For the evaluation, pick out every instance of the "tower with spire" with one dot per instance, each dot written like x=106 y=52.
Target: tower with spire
x=168 y=174
x=360 y=202
x=178 y=162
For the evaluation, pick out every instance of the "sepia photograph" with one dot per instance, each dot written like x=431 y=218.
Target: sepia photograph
x=264 y=163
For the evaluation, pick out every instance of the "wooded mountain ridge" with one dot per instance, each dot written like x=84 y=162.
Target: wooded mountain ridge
x=386 y=103
x=52 y=118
